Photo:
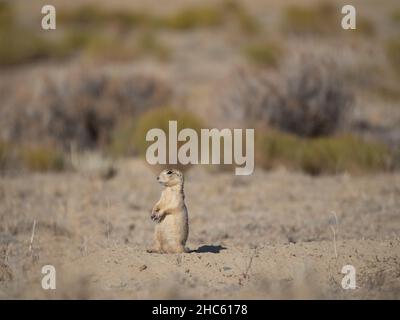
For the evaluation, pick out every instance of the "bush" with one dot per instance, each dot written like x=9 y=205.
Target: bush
x=307 y=97
x=91 y=16
x=246 y=98
x=322 y=155
x=6 y=15
x=5 y=152
x=393 y=53
x=316 y=100
x=266 y=54
x=322 y=18
x=77 y=106
x=191 y=18
x=246 y=22
x=20 y=46
x=149 y=45
x=396 y=16
x=42 y=159
x=159 y=118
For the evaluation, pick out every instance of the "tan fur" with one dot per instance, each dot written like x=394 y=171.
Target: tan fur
x=170 y=214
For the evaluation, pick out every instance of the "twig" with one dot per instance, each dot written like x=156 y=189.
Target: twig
x=32 y=236
x=107 y=220
x=334 y=231
x=246 y=273
x=334 y=241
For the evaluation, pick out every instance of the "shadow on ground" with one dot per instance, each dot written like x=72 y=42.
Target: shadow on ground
x=209 y=249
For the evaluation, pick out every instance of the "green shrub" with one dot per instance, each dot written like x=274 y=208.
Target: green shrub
x=21 y=46
x=6 y=15
x=149 y=44
x=5 y=154
x=267 y=54
x=42 y=159
x=95 y=16
x=109 y=48
x=345 y=153
x=322 y=155
x=322 y=19
x=129 y=135
x=159 y=118
x=319 y=19
x=122 y=139
x=191 y=18
x=393 y=53
x=396 y=16
x=246 y=22
x=365 y=26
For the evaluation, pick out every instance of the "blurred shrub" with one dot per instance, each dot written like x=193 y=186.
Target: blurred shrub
x=159 y=118
x=365 y=26
x=316 y=100
x=393 y=52
x=94 y=16
x=130 y=136
x=123 y=138
x=190 y=18
x=246 y=97
x=322 y=19
x=5 y=154
x=90 y=17
x=109 y=48
x=42 y=159
x=103 y=33
x=33 y=158
x=319 y=19
x=307 y=97
x=322 y=155
x=77 y=106
x=149 y=45
x=247 y=22
x=266 y=54
x=6 y=15
x=19 y=46
x=396 y=16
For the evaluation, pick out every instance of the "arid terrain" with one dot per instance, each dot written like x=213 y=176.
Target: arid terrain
x=269 y=235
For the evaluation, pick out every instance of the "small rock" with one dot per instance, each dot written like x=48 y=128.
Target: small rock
x=142 y=267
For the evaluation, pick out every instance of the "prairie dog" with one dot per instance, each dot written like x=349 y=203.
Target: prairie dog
x=170 y=214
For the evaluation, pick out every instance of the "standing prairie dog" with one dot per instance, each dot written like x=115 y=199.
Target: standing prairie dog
x=170 y=215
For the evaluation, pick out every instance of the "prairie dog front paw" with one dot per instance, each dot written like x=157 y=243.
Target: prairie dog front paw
x=155 y=214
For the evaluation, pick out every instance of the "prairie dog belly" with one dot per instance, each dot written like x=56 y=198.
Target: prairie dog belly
x=174 y=228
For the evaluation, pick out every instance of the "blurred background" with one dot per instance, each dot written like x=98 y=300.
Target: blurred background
x=322 y=99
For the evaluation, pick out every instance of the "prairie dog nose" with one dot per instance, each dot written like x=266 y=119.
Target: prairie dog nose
x=158 y=178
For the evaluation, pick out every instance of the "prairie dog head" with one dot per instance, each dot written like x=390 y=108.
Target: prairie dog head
x=170 y=178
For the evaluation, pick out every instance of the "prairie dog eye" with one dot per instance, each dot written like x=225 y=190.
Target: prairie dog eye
x=169 y=172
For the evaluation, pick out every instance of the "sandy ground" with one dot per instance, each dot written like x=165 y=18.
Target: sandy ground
x=269 y=235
